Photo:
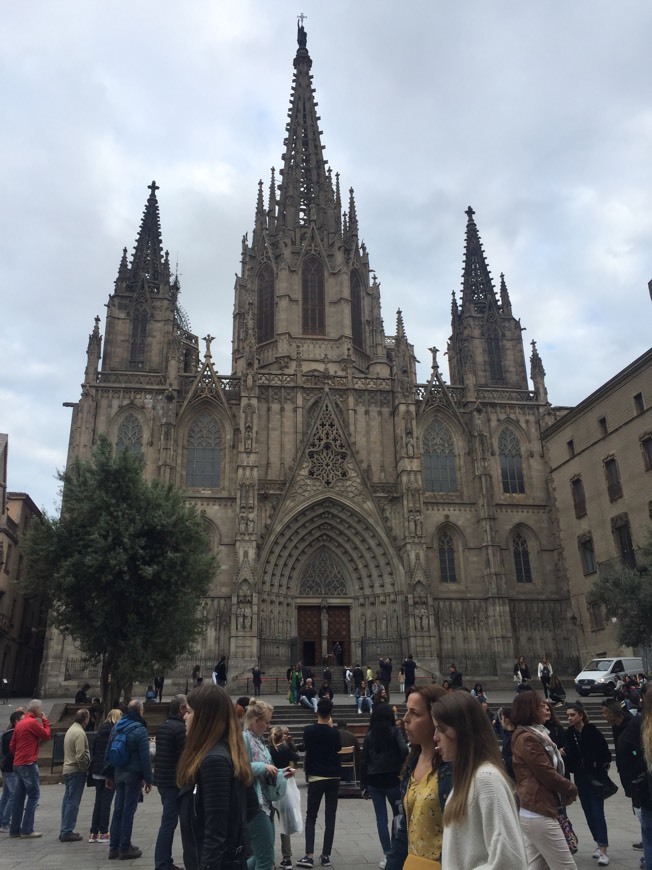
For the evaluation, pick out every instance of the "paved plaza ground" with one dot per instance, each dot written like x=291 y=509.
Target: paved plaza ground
x=356 y=840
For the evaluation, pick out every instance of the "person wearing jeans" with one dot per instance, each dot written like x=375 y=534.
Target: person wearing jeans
x=322 y=742
x=363 y=699
x=29 y=733
x=76 y=759
x=127 y=779
x=8 y=776
x=384 y=754
x=170 y=741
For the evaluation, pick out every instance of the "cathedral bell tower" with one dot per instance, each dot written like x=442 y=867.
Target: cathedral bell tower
x=306 y=272
x=486 y=345
x=143 y=317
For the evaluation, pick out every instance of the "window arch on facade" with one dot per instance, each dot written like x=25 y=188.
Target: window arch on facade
x=204 y=452
x=323 y=575
x=446 y=557
x=511 y=465
x=265 y=309
x=357 y=331
x=312 y=297
x=494 y=354
x=138 y=336
x=522 y=561
x=439 y=471
x=130 y=435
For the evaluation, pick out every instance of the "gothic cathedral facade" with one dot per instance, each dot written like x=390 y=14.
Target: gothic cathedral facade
x=349 y=503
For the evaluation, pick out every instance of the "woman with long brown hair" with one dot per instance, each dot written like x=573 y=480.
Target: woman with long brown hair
x=424 y=786
x=481 y=826
x=213 y=774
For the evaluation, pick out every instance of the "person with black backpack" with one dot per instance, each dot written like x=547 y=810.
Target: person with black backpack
x=128 y=766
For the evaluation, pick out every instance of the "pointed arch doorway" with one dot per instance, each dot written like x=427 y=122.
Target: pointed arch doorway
x=323 y=614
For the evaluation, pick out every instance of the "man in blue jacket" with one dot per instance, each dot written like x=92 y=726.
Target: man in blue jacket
x=127 y=780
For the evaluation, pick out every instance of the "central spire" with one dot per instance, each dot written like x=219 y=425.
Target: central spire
x=477 y=286
x=306 y=191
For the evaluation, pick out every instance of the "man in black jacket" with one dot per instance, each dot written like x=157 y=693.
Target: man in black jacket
x=322 y=768
x=170 y=740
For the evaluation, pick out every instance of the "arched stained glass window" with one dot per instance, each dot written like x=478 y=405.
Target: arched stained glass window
x=439 y=458
x=130 y=435
x=494 y=354
x=138 y=337
x=203 y=452
x=511 y=466
x=312 y=297
x=323 y=576
x=357 y=331
x=522 y=559
x=265 y=312
x=446 y=548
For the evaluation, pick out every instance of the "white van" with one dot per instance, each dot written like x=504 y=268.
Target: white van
x=600 y=675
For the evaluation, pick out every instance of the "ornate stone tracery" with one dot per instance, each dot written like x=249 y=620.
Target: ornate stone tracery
x=323 y=576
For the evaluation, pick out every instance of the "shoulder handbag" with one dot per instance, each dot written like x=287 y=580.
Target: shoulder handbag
x=274 y=787
x=603 y=785
x=567 y=829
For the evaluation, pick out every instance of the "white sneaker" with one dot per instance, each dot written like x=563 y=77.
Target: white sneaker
x=603 y=860
x=382 y=863
x=597 y=853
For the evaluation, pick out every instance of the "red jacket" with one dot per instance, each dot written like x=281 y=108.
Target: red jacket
x=30 y=732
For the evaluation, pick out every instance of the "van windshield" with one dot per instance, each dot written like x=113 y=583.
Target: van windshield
x=599 y=665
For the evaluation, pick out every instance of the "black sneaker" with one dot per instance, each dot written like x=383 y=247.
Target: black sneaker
x=306 y=862
x=325 y=860
x=638 y=846
x=286 y=863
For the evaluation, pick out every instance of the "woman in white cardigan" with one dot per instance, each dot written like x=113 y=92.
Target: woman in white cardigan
x=481 y=827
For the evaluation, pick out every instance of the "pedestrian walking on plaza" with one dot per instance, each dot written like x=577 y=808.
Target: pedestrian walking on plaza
x=424 y=787
x=258 y=715
x=409 y=673
x=159 y=682
x=76 y=759
x=384 y=752
x=322 y=768
x=257 y=679
x=133 y=768
x=544 y=672
x=32 y=730
x=481 y=827
x=103 y=795
x=8 y=775
x=284 y=754
x=219 y=674
x=540 y=782
x=588 y=757
x=170 y=741
x=385 y=668
x=213 y=775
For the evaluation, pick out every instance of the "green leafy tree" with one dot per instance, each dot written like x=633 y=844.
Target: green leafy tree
x=626 y=593
x=124 y=568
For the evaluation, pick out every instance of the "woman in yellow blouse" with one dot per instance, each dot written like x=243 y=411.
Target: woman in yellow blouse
x=419 y=831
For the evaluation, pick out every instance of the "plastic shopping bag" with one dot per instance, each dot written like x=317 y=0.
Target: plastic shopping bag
x=289 y=809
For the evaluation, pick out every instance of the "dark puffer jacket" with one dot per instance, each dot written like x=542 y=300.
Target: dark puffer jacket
x=170 y=740
x=99 y=747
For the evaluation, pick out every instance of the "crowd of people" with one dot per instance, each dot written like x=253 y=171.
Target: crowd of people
x=445 y=791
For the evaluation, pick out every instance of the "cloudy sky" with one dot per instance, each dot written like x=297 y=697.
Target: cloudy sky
x=539 y=115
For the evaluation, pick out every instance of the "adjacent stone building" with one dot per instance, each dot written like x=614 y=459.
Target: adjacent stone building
x=352 y=506
x=22 y=618
x=600 y=454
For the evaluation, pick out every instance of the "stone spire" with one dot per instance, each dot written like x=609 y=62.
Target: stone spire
x=505 y=301
x=147 y=260
x=93 y=353
x=477 y=286
x=538 y=374
x=305 y=192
